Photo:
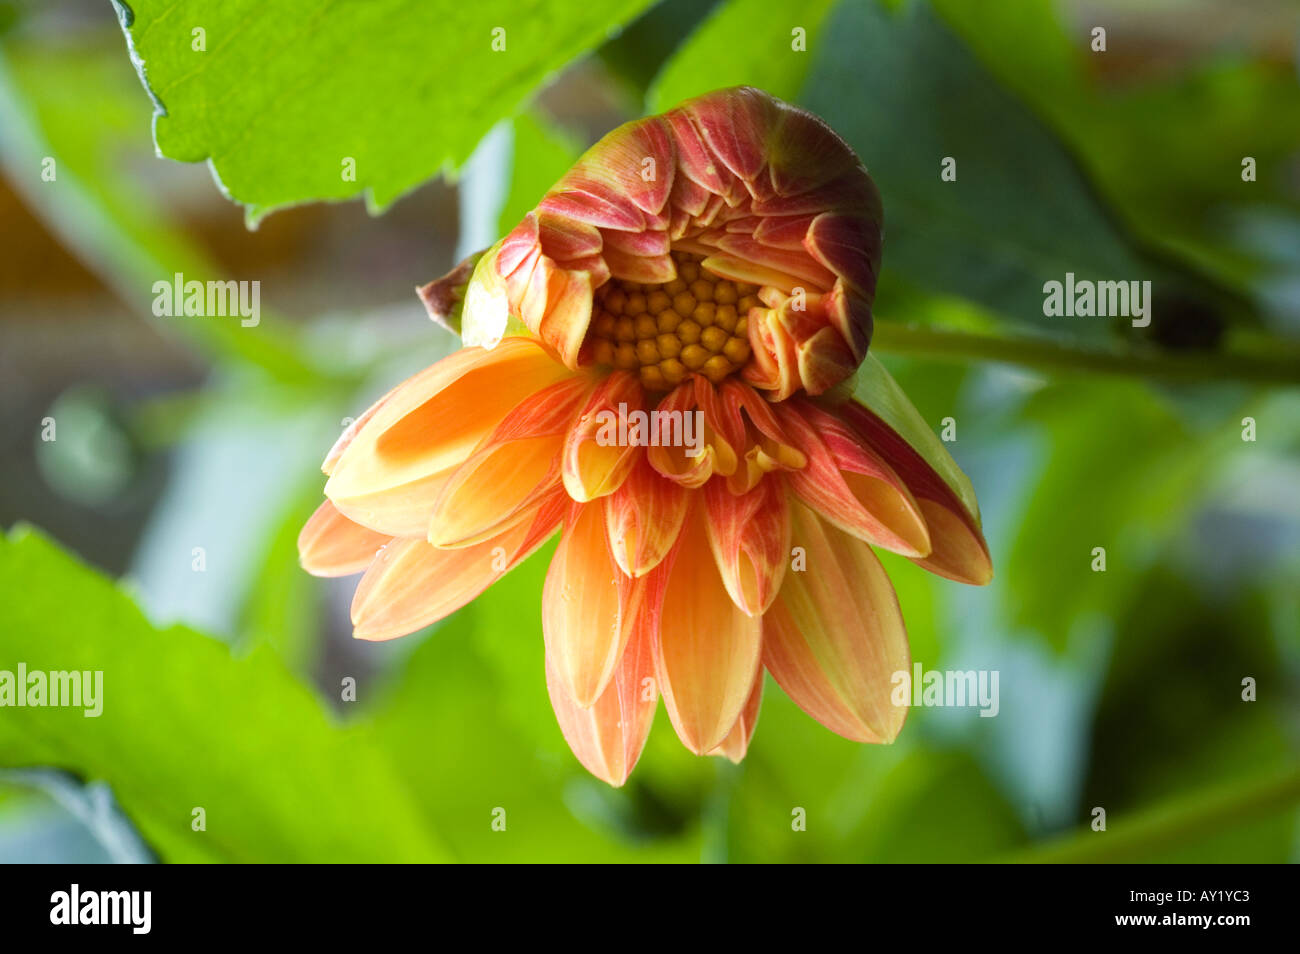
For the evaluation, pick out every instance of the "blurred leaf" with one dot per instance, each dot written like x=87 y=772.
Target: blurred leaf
x=906 y=94
x=744 y=42
x=285 y=96
x=76 y=104
x=185 y=725
x=1183 y=828
x=1156 y=736
x=282 y=607
x=638 y=52
x=542 y=154
x=1166 y=150
x=1122 y=468
x=938 y=806
x=250 y=450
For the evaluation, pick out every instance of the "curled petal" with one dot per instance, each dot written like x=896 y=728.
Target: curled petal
x=389 y=474
x=707 y=653
x=563 y=323
x=805 y=270
x=764 y=191
x=849 y=247
x=770 y=448
x=740 y=269
x=736 y=123
x=750 y=537
x=595 y=461
x=332 y=545
x=444 y=299
x=635 y=162
x=643 y=518
x=711 y=453
x=834 y=639
x=563 y=240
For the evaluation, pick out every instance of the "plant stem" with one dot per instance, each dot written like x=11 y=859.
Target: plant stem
x=1045 y=355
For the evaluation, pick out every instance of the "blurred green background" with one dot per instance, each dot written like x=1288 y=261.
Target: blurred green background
x=1119 y=689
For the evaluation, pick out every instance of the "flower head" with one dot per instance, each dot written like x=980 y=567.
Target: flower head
x=658 y=366
x=743 y=188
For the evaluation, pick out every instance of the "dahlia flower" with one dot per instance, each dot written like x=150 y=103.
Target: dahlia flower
x=714 y=264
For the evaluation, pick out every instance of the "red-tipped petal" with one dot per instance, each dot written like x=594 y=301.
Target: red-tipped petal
x=958 y=550
x=850 y=485
x=735 y=123
x=595 y=463
x=750 y=537
x=712 y=452
x=643 y=518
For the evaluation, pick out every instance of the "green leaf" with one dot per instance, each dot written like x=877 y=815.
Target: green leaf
x=905 y=93
x=185 y=725
x=744 y=42
x=287 y=99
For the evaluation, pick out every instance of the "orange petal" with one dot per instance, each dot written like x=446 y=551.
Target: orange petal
x=714 y=453
x=390 y=473
x=594 y=464
x=412 y=583
x=332 y=545
x=587 y=607
x=608 y=736
x=958 y=549
x=346 y=438
x=834 y=638
x=850 y=484
x=960 y=552
x=736 y=744
x=515 y=466
x=643 y=518
x=568 y=312
x=708 y=650
x=750 y=537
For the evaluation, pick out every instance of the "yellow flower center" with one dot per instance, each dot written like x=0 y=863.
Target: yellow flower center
x=696 y=322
